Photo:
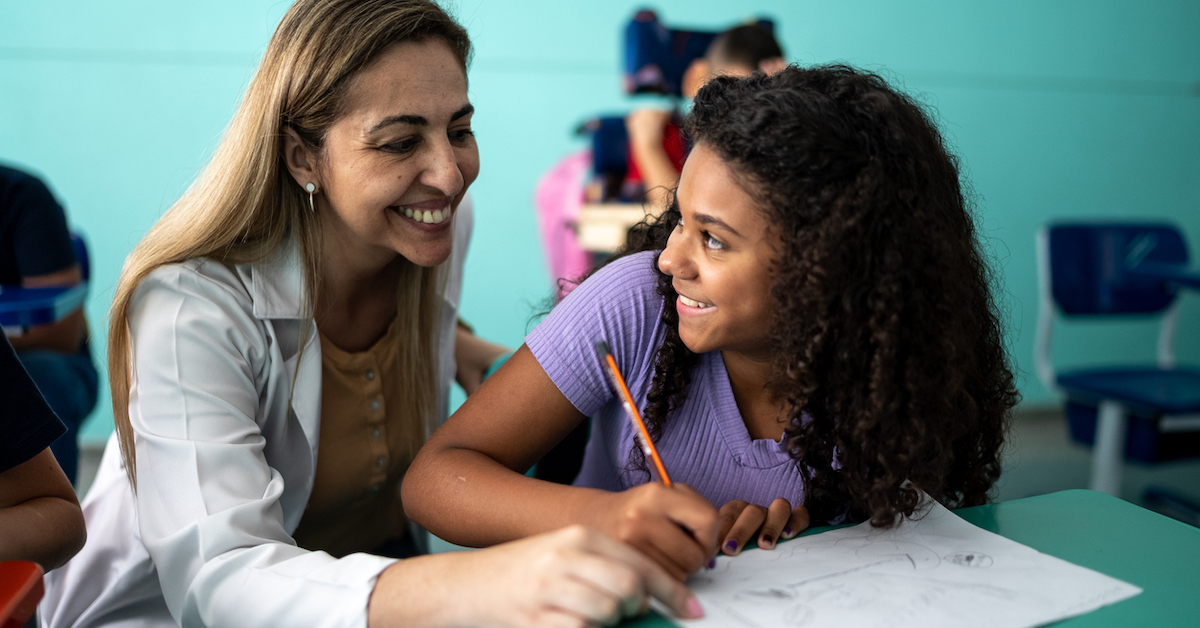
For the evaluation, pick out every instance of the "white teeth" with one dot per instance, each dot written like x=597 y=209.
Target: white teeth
x=692 y=303
x=430 y=217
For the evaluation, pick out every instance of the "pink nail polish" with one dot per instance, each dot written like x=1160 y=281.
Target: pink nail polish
x=694 y=609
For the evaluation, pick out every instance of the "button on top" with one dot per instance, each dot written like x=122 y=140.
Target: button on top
x=381 y=462
x=376 y=433
x=375 y=404
x=370 y=375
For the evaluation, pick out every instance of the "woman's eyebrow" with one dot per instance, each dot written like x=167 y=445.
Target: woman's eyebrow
x=416 y=120
x=705 y=219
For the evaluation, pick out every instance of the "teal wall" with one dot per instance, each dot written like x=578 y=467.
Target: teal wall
x=1084 y=108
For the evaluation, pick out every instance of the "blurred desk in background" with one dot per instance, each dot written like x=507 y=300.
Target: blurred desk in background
x=601 y=227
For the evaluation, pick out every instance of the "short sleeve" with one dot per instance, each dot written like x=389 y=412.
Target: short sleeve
x=39 y=238
x=620 y=305
x=27 y=421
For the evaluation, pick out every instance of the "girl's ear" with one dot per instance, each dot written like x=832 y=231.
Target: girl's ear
x=301 y=163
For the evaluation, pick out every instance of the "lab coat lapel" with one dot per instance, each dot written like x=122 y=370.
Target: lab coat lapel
x=277 y=286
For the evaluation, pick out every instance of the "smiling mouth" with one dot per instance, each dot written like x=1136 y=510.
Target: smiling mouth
x=693 y=303
x=426 y=216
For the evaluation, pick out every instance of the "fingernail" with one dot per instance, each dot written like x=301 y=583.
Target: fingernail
x=766 y=540
x=731 y=545
x=694 y=609
x=787 y=530
x=712 y=563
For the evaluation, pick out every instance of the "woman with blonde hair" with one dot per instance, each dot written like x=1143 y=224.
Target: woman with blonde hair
x=281 y=344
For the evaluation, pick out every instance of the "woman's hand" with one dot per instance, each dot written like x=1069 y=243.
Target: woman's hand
x=676 y=527
x=740 y=521
x=573 y=577
x=473 y=356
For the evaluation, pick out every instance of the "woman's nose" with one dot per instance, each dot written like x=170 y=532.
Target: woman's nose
x=442 y=170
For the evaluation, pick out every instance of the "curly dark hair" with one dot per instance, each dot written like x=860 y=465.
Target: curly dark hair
x=891 y=357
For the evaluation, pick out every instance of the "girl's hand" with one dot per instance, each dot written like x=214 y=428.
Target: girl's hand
x=741 y=521
x=675 y=527
x=572 y=577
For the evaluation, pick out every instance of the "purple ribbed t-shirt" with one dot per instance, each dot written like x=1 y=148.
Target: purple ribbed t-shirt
x=704 y=444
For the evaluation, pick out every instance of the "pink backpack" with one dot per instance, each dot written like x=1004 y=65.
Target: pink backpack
x=557 y=198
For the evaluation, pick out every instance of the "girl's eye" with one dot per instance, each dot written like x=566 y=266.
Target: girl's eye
x=712 y=242
x=461 y=136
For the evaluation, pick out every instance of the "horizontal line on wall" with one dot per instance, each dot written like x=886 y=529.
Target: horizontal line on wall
x=1061 y=84
x=129 y=57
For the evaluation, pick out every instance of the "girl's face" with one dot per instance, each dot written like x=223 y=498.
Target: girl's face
x=399 y=160
x=721 y=258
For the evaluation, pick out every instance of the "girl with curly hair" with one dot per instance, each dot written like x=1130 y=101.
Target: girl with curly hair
x=809 y=329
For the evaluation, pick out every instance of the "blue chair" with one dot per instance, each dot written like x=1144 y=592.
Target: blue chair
x=21 y=308
x=1147 y=413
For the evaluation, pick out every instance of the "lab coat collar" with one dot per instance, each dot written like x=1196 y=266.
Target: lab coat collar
x=277 y=283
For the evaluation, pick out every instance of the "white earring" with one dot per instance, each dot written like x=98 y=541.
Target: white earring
x=311 y=188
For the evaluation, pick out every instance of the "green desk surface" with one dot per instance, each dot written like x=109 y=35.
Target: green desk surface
x=1100 y=532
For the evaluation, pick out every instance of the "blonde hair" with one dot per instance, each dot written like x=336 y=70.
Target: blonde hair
x=244 y=205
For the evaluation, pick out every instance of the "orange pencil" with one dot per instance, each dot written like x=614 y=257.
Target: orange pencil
x=631 y=411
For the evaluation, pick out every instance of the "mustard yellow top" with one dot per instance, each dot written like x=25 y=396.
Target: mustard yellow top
x=361 y=455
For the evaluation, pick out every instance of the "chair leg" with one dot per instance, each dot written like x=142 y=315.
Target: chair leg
x=1108 y=454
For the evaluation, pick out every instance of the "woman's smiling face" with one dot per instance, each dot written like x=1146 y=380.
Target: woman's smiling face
x=721 y=258
x=400 y=158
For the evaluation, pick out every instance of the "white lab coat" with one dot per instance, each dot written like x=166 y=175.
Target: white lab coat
x=224 y=470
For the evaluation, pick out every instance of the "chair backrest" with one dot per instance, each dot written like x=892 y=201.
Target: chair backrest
x=81 y=255
x=1084 y=270
x=656 y=56
x=1090 y=264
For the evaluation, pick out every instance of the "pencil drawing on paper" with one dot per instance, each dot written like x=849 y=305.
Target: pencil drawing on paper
x=936 y=571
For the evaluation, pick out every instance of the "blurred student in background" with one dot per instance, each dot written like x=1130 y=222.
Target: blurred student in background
x=40 y=518
x=739 y=51
x=36 y=252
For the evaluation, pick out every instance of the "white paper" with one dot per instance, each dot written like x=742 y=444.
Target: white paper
x=936 y=571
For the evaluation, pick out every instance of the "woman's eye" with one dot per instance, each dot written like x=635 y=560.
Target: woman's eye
x=712 y=242
x=462 y=135
x=401 y=146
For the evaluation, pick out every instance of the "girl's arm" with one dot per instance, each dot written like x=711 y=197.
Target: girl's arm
x=467 y=484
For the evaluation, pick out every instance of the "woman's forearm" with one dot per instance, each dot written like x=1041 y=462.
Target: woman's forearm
x=575 y=576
